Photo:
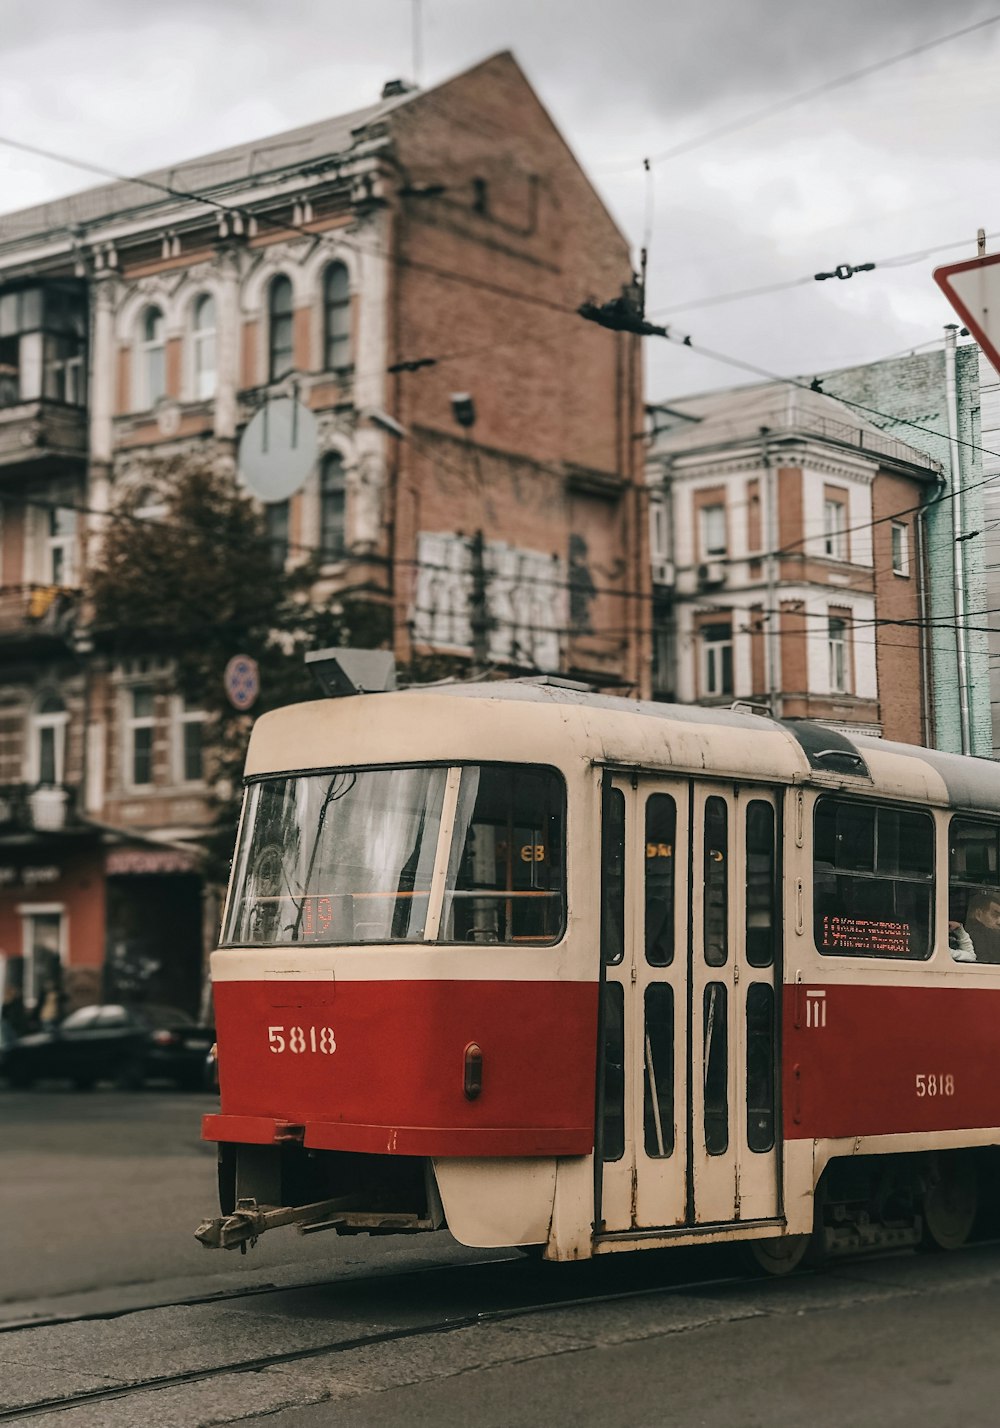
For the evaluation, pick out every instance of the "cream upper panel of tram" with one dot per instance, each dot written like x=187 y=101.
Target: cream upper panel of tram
x=414 y=961
x=526 y=724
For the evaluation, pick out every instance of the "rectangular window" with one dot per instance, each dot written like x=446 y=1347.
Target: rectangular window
x=658 y=1074
x=189 y=723
x=837 y=649
x=974 y=891
x=717 y=660
x=276 y=516
x=713 y=531
x=613 y=877
x=43 y=344
x=900 y=548
x=613 y=1118
x=760 y=1067
x=140 y=729
x=716 y=903
x=347 y=856
x=659 y=532
x=43 y=946
x=661 y=825
x=505 y=879
x=873 y=880
x=61 y=546
x=761 y=891
x=715 y=1068
x=835 y=527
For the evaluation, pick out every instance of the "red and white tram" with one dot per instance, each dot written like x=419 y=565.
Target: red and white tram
x=564 y=970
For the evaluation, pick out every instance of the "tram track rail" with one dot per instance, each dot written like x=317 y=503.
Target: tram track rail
x=222 y=1296
x=335 y=1346
x=440 y=1326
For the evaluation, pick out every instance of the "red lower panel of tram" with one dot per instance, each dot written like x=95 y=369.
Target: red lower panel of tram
x=384 y=1067
x=864 y=1060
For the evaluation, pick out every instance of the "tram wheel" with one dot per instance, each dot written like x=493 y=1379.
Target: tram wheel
x=781 y=1255
x=950 y=1204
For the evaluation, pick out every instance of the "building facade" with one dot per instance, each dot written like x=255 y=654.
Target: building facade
x=785 y=559
x=908 y=398
x=411 y=273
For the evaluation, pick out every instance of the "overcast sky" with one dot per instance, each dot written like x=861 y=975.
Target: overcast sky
x=904 y=160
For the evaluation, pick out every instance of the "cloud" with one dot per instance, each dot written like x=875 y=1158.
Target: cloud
x=896 y=162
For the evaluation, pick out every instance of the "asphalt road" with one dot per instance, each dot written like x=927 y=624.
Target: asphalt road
x=100 y=1195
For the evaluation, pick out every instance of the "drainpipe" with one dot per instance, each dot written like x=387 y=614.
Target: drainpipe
x=954 y=458
x=926 y=706
x=772 y=617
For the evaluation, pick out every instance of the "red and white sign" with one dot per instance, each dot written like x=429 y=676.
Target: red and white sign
x=973 y=289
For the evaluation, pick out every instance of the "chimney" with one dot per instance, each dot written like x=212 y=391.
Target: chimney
x=394 y=87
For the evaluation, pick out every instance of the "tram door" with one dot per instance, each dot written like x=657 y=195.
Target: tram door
x=691 y=946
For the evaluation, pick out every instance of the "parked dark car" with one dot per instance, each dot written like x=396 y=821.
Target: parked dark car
x=127 y=1045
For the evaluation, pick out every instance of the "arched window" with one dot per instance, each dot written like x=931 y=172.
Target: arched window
x=336 y=318
x=279 y=349
x=153 y=360
x=203 y=344
x=332 y=503
x=48 y=740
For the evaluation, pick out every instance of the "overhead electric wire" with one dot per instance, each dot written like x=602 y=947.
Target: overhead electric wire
x=781 y=106
x=898 y=260
x=322 y=235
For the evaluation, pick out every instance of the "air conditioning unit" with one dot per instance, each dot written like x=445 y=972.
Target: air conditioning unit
x=711 y=575
x=663 y=573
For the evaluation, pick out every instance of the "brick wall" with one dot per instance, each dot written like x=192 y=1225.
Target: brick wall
x=492 y=270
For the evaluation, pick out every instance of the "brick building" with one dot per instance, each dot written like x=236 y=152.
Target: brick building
x=775 y=552
x=907 y=397
x=376 y=265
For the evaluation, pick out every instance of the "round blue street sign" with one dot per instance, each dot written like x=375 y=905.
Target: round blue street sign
x=242 y=681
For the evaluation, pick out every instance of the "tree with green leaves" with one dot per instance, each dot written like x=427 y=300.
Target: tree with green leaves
x=198 y=583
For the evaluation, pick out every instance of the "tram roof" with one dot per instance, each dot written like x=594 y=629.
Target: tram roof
x=609 y=729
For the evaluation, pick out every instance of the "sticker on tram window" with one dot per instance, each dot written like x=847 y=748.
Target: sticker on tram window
x=533 y=853
x=317 y=1040
x=862 y=934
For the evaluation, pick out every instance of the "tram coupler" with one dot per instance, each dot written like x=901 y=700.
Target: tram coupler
x=249 y=1221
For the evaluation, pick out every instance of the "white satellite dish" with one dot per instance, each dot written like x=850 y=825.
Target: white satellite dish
x=278 y=449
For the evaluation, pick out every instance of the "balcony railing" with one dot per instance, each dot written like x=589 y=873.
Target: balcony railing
x=39 y=808
x=34 y=432
x=42 y=610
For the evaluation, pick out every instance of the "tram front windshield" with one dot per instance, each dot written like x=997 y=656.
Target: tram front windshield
x=349 y=856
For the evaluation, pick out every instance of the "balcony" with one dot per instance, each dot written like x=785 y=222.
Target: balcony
x=37 y=613
x=38 y=437
x=43 y=365
x=37 y=808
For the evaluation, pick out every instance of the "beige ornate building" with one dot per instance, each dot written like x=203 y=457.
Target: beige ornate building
x=376 y=265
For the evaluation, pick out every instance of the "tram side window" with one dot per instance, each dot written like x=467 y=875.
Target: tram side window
x=661 y=828
x=974 y=891
x=613 y=1119
x=613 y=877
x=506 y=881
x=761 y=885
x=658 y=1070
x=760 y=1067
x=873 y=880
x=716 y=904
x=715 y=1068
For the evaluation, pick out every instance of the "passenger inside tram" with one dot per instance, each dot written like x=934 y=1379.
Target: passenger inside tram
x=982 y=926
